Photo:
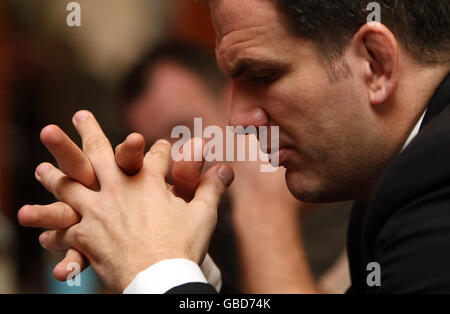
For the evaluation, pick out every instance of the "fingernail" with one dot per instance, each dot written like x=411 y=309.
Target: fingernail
x=81 y=115
x=42 y=169
x=226 y=175
x=43 y=238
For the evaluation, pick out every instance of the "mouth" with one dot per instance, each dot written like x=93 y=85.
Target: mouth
x=268 y=149
x=278 y=155
x=280 y=158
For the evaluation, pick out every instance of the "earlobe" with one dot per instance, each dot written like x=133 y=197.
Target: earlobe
x=380 y=48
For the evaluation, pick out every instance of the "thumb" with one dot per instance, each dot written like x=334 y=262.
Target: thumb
x=186 y=173
x=213 y=185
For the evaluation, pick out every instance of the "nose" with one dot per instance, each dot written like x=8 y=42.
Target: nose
x=245 y=110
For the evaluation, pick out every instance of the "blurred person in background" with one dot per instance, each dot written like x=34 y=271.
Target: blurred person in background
x=178 y=81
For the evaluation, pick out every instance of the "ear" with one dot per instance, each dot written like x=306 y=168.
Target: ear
x=379 y=47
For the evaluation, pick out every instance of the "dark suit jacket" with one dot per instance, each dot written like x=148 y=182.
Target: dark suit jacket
x=405 y=228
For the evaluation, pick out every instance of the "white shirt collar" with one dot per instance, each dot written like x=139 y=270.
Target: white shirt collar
x=415 y=131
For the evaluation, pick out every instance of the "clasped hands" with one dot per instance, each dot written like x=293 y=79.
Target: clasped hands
x=116 y=210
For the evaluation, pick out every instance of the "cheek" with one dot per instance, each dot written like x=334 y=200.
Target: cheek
x=296 y=108
x=300 y=95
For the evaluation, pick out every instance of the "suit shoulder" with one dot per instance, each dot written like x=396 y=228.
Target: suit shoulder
x=421 y=172
x=422 y=167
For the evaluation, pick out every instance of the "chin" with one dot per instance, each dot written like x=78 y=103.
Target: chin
x=300 y=187
x=309 y=189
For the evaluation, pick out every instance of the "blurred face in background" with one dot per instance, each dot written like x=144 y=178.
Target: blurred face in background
x=173 y=95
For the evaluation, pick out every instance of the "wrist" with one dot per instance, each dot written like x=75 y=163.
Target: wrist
x=165 y=275
x=133 y=268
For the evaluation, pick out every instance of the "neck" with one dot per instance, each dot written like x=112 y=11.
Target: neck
x=417 y=85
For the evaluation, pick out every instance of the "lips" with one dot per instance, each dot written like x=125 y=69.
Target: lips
x=267 y=149
x=276 y=157
x=279 y=158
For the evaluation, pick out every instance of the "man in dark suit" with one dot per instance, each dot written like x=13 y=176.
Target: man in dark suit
x=363 y=115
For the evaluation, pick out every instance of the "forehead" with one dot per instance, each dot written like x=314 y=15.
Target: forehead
x=233 y=18
x=252 y=32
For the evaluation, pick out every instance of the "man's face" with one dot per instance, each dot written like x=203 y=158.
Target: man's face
x=172 y=96
x=329 y=141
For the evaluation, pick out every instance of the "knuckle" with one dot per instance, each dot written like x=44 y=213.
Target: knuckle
x=214 y=185
x=80 y=168
x=59 y=236
x=100 y=215
x=94 y=143
x=59 y=188
x=55 y=241
x=79 y=236
x=69 y=216
x=113 y=185
x=161 y=147
x=41 y=215
x=159 y=153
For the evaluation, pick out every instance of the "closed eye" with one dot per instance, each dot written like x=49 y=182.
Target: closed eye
x=265 y=77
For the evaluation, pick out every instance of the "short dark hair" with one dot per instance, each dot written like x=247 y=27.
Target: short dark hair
x=421 y=26
x=190 y=56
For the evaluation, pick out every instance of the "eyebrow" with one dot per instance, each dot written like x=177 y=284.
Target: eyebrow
x=248 y=63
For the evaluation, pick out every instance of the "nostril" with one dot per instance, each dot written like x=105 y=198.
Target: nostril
x=261 y=117
x=255 y=117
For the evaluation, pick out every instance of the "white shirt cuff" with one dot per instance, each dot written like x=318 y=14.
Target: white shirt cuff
x=167 y=274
